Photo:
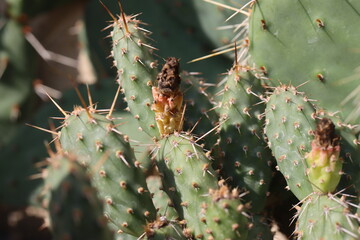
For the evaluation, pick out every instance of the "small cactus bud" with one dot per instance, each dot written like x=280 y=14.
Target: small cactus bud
x=323 y=160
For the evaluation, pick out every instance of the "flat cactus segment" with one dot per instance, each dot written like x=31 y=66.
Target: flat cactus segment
x=224 y=215
x=187 y=176
x=136 y=69
x=246 y=158
x=117 y=175
x=290 y=125
x=326 y=217
x=75 y=210
x=318 y=50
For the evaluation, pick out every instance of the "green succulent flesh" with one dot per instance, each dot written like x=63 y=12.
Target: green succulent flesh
x=246 y=158
x=300 y=41
x=289 y=127
x=326 y=217
x=137 y=71
x=120 y=181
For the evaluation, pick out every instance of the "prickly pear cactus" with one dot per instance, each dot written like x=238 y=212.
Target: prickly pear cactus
x=209 y=212
x=75 y=210
x=116 y=174
x=290 y=125
x=326 y=217
x=187 y=176
x=219 y=20
x=246 y=158
x=198 y=117
x=302 y=41
x=136 y=69
x=259 y=229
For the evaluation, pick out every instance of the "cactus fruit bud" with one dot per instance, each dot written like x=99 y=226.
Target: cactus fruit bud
x=168 y=98
x=323 y=160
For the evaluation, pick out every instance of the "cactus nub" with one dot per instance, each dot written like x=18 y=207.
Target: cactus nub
x=324 y=165
x=168 y=99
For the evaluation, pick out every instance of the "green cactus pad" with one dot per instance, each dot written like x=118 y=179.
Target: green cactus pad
x=187 y=176
x=326 y=217
x=75 y=210
x=117 y=175
x=300 y=41
x=136 y=70
x=246 y=158
x=289 y=127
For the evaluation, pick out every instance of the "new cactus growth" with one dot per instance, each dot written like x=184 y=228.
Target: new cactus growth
x=324 y=170
x=187 y=176
x=246 y=159
x=168 y=99
x=290 y=124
